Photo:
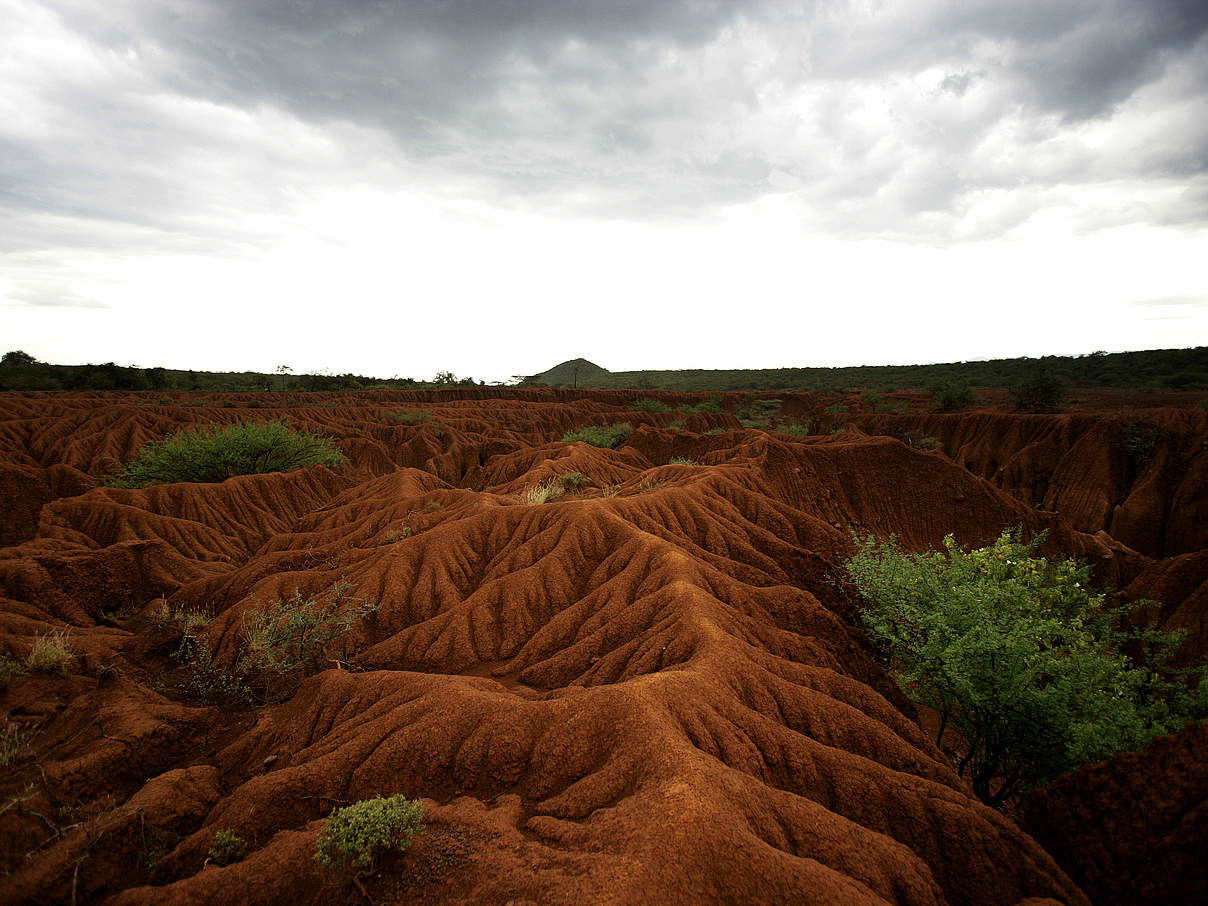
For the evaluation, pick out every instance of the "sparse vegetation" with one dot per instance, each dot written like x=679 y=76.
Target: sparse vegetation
x=1021 y=658
x=10 y=669
x=682 y=461
x=178 y=618
x=12 y=744
x=544 y=492
x=51 y=653
x=677 y=425
x=574 y=479
x=951 y=395
x=916 y=439
x=215 y=454
x=713 y=404
x=795 y=428
x=356 y=836
x=409 y=417
x=1138 y=442
x=646 y=404
x=715 y=431
x=609 y=436
x=298 y=634
x=205 y=679
x=228 y=847
x=1039 y=392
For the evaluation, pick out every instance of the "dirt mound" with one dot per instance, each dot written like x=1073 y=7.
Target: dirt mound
x=650 y=688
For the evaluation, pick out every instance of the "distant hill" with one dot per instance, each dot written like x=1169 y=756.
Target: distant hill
x=573 y=373
x=1157 y=369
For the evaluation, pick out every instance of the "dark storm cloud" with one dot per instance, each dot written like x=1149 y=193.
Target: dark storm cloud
x=623 y=107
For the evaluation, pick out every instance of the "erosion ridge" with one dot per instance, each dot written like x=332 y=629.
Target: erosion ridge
x=650 y=689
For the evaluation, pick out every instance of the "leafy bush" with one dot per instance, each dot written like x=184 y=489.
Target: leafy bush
x=205 y=679
x=574 y=479
x=609 y=436
x=713 y=404
x=299 y=633
x=797 y=428
x=227 y=847
x=1041 y=392
x=10 y=669
x=51 y=653
x=216 y=454
x=357 y=835
x=1021 y=657
x=650 y=405
x=413 y=417
x=682 y=461
x=1138 y=442
x=951 y=395
x=917 y=440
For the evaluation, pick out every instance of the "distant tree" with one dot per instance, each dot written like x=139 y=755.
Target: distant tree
x=445 y=379
x=157 y=377
x=283 y=370
x=951 y=395
x=1042 y=391
x=18 y=358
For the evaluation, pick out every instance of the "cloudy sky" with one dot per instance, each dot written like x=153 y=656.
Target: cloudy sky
x=493 y=186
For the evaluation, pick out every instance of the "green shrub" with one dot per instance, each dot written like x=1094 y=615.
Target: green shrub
x=301 y=633
x=917 y=440
x=650 y=405
x=413 y=417
x=713 y=404
x=600 y=435
x=951 y=395
x=872 y=399
x=574 y=479
x=216 y=454
x=1138 y=442
x=1020 y=657
x=715 y=431
x=205 y=679
x=797 y=428
x=682 y=461
x=10 y=669
x=228 y=847
x=677 y=425
x=1042 y=392
x=357 y=835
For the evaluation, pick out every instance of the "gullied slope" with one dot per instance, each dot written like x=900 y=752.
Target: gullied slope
x=649 y=689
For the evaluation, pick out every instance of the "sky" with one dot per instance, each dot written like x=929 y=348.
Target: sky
x=491 y=187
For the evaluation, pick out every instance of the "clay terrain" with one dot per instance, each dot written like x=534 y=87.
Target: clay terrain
x=650 y=689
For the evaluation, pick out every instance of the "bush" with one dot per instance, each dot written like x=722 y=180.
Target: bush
x=682 y=461
x=1138 y=442
x=796 y=428
x=917 y=440
x=574 y=479
x=677 y=425
x=216 y=454
x=713 y=404
x=609 y=436
x=227 y=847
x=1021 y=657
x=1042 y=392
x=296 y=634
x=357 y=835
x=51 y=653
x=543 y=492
x=951 y=395
x=205 y=679
x=650 y=405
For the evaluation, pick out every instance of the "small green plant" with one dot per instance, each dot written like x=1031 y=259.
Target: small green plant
x=917 y=440
x=300 y=633
x=12 y=744
x=215 y=454
x=609 y=436
x=51 y=653
x=796 y=428
x=10 y=669
x=356 y=836
x=1138 y=442
x=1021 y=657
x=1042 y=392
x=951 y=395
x=836 y=409
x=395 y=535
x=409 y=417
x=682 y=461
x=716 y=431
x=646 y=404
x=713 y=404
x=205 y=679
x=228 y=847
x=677 y=425
x=178 y=618
x=574 y=479
x=872 y=400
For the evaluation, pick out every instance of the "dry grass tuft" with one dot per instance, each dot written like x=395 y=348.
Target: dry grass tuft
x=544 y=492
x=51 y=653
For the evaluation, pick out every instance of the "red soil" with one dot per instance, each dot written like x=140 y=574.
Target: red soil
x=649 y=690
